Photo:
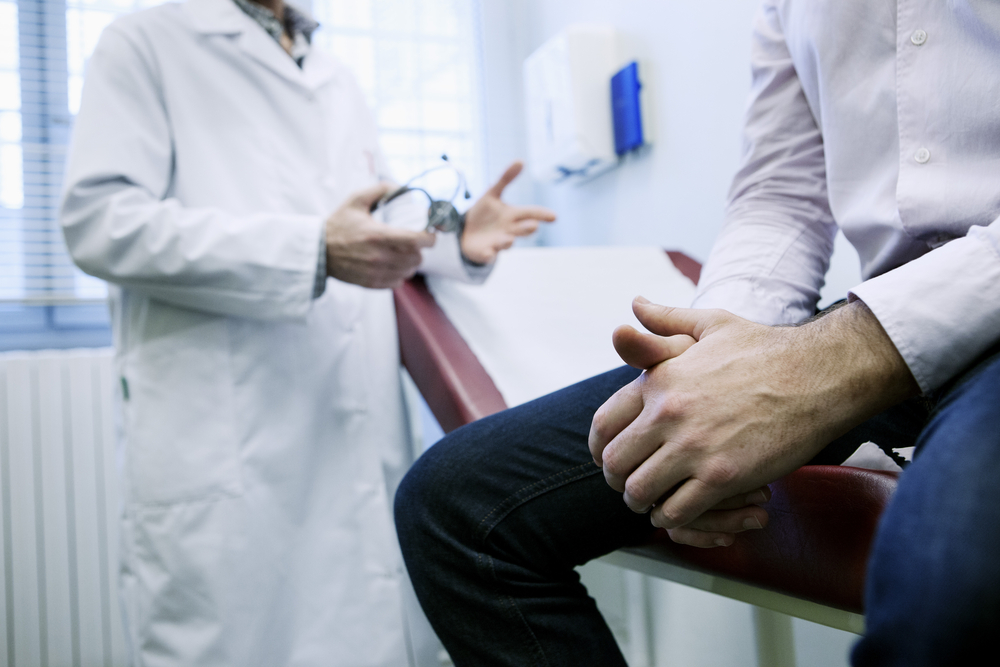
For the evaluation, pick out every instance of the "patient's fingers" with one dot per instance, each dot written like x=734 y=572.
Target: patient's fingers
x=669 y=321
x=755 y=497
x=730 y=521
x=719 y=528
x=642 y=350
x=611 y=418
x=702 y=540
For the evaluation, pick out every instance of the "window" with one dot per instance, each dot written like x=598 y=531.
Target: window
x=11 y=156
x=11 y=185
x=417 y=61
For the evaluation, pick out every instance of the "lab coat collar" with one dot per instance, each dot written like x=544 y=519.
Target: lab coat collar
x=216 y=17
x=223 y=17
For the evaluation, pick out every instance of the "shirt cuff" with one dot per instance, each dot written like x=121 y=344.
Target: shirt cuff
x=320 y=285
x=444 y=259
x=941 y=310
x=477 y=272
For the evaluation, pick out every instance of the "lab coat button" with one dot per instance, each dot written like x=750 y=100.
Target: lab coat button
x=918 y=37
x=922 y=156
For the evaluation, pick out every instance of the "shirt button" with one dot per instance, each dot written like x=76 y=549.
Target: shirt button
x=918 y=37
x=922 y=156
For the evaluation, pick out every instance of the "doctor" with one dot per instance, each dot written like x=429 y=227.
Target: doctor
x=221 y=170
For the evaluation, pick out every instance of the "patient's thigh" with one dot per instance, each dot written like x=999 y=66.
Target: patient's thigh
x=933 y=589
x=529 y=466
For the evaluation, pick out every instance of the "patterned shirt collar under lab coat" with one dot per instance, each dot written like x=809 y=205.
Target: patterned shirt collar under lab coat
x=299 y=26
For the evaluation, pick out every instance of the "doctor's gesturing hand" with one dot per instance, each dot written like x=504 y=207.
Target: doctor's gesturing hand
x=732 y=406
x=492 y=226
x=366 y=252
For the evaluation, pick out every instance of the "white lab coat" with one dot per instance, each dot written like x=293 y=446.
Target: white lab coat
x=263 y=432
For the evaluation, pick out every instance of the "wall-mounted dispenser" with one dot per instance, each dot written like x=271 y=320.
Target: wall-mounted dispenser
x=585 y=105
x=568 y=100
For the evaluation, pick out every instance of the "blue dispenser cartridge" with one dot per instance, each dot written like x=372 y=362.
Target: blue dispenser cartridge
x=627 y=109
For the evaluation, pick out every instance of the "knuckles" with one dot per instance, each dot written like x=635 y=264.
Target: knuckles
x=613 y=481
x=641 y=490
x=615 y=470
x=668 y=516
x=720 y=315
x=600 y=432
x=720 y=472
x=670 y=407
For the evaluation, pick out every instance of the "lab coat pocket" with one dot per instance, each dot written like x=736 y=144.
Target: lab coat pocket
x=180 y=432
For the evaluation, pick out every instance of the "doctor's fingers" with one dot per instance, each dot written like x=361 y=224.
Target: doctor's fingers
x=535 y=213
x=504 y=237
x=523 y=228
x=624 y=406
x=391 y=279
x=508 y=175
x=386 y=268
x=363 y=199
x=404 y=240
x=643 y=350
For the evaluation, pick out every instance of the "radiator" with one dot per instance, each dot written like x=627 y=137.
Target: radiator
x=59 y=510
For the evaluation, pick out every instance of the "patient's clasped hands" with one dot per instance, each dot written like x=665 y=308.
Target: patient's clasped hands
x=726 y=406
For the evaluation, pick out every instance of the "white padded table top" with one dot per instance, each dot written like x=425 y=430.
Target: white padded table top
x=544 y=318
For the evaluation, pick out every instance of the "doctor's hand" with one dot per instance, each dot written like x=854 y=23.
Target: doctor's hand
x=698 y=436
x=492 y=226
x=365 y=252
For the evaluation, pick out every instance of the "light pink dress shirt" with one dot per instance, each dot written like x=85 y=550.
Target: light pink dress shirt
x=882 y=118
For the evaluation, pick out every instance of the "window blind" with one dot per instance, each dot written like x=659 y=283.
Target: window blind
x=43 y=55
x=418 y=62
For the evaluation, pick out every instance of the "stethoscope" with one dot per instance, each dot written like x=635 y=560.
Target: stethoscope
x=442 y=216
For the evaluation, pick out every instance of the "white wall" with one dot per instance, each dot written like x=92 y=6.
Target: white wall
x=698 y=77
x=697 y=69
x=698 y=74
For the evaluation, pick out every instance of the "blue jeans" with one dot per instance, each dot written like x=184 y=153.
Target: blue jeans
x=493 y=519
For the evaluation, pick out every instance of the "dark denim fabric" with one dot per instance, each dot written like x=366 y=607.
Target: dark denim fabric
x=493 y=519
x=933 y=589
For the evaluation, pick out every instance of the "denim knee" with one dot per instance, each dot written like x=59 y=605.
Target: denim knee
x=432 y=498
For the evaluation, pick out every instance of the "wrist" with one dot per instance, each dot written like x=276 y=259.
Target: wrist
x=461 y=244
x=866 y=372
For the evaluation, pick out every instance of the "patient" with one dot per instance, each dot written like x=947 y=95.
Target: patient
x=879 y=120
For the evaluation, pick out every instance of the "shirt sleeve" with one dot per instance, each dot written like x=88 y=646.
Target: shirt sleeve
x=122 y=225
x=941 y=310
x=774 y=249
